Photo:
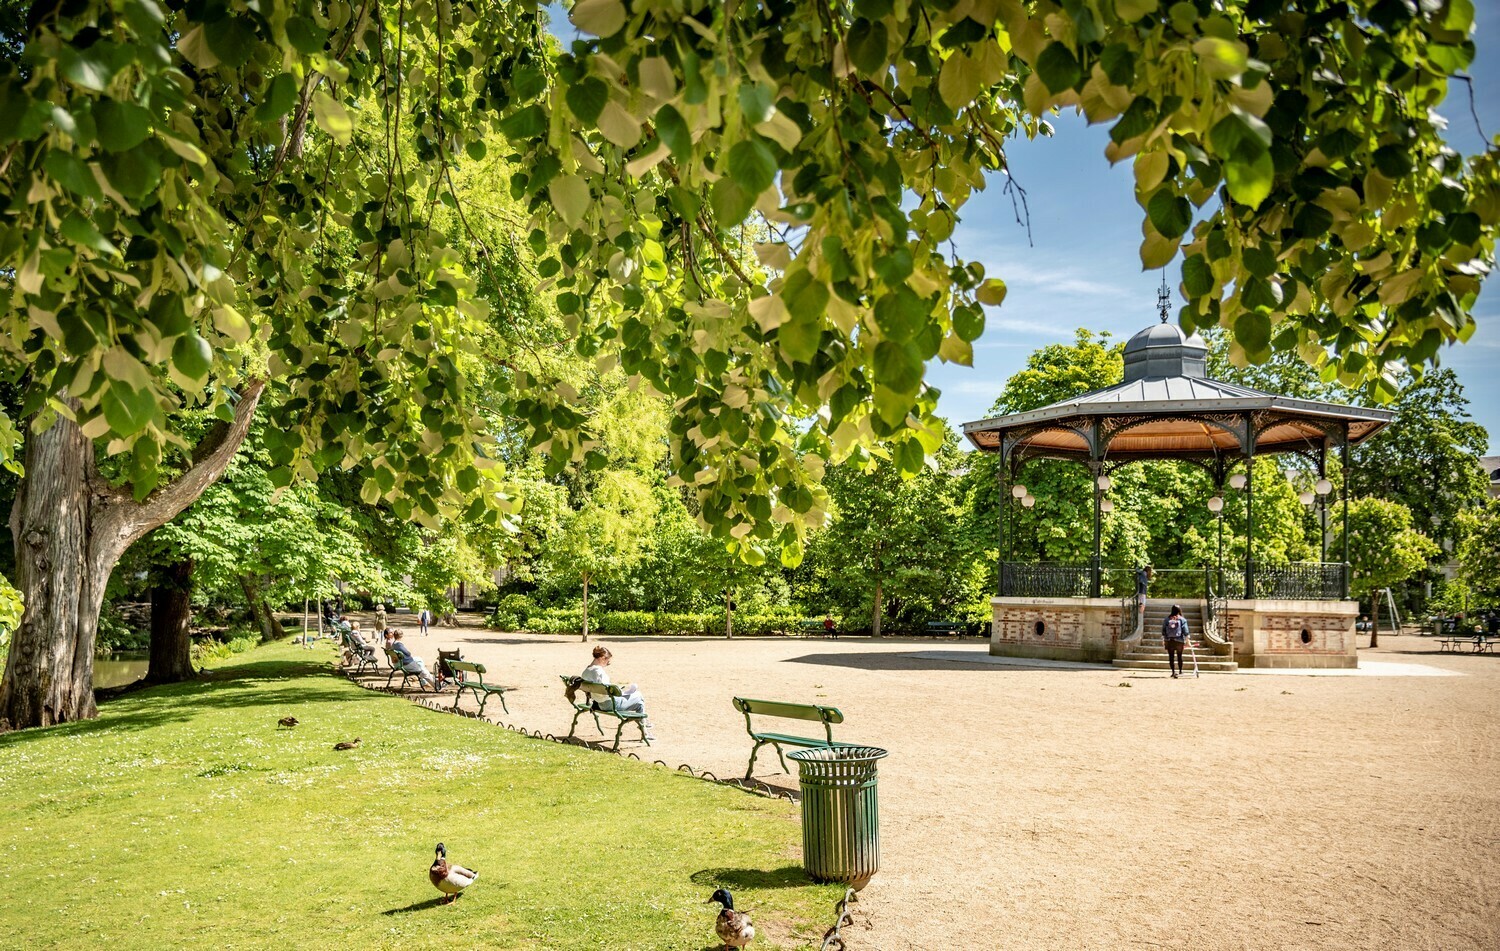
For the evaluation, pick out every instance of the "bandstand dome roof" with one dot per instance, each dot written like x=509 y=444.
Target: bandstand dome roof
x=1168 y=407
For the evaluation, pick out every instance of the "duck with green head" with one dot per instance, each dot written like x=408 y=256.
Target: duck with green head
x=448 y=878
x=732 y=927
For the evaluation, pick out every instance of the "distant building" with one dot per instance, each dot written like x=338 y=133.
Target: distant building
x=1492 y=469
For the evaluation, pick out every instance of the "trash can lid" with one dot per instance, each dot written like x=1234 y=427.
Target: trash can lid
x=840 y=754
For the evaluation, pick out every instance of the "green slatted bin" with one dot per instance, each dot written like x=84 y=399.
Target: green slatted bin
x=840 y=813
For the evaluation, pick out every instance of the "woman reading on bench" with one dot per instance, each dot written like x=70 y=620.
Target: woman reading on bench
x=630 y=699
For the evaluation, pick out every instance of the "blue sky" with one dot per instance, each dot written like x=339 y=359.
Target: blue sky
x=1083 y=270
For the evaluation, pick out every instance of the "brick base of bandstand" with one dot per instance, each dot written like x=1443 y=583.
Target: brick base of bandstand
x=1264 y=632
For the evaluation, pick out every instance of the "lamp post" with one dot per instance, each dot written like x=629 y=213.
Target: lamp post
x=1216 y=506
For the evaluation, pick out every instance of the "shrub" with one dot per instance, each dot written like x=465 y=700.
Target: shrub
x=511 y=613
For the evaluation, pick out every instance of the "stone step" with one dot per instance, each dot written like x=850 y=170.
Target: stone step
x=1207 y=667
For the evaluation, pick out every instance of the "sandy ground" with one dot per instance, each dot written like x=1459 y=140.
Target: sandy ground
x=1035 y=808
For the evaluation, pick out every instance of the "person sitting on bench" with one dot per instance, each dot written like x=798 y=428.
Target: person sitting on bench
x=630 y=700
x=411 y=663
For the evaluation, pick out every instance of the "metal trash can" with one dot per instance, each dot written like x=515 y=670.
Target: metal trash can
x=840 y=813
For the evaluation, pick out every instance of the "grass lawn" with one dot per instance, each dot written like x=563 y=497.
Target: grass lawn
x=183 y=817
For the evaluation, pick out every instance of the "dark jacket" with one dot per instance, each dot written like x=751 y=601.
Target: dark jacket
x=1175 y=628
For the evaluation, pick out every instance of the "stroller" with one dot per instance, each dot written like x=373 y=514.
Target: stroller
x=446 y=673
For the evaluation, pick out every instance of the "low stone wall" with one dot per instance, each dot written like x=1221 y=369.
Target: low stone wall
x=1268 y=633
x=1081 y=629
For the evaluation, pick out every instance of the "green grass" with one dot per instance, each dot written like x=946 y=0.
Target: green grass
x=182 y=817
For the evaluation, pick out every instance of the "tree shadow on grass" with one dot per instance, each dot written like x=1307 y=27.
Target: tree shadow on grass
x=751 y=879
x=238 y=686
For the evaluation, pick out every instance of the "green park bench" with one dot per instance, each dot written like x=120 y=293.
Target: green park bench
x=587 y=694
x=363 y=655
x=947 y=628
x=816 y=626
x=828 y=716
x=475 y=685
x=396 y=668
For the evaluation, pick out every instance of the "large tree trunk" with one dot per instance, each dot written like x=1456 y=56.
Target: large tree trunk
x=879 y=605
x=729 y=614
x=70 y=529
x=1375 y=618
x=171 y=614
x=585 y=609
x=278 y=631
x=49 y=673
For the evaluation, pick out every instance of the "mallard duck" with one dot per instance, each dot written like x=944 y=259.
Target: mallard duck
x=288 y=722
x=347 y=744
x=448 y=878
x=732 y=927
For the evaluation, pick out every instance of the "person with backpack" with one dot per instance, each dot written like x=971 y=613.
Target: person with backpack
x=1174 y=635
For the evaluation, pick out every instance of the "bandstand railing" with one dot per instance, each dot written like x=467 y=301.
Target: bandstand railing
x=1298 y=581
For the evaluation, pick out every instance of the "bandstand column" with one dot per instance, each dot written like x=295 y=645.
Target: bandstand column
x=1344 y=459
x=1095 y=466
x=1249 y=507
x=1004 y=513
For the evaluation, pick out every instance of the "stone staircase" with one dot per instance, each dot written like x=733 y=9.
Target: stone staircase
x=1150 y=654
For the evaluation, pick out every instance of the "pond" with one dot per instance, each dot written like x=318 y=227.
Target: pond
x=117 y=670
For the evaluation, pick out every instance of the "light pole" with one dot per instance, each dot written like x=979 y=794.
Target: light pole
x=1216 y=506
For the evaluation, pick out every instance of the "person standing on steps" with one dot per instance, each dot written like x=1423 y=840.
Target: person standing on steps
x=1142 y=582
x=1174 y=635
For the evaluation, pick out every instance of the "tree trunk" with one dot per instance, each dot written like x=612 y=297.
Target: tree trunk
x=585 y=609
x=258 y=611
x=50 y=670
x=171 y=614
x=728 y=614
x=278 y=631
x=70 y=529
x=1375 y=619
x=879 y=604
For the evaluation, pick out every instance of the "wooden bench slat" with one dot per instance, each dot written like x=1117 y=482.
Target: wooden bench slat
x=788 y=711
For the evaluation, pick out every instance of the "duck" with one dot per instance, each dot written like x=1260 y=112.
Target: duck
x=288 y=722
x=732 y=927
x=448 y=878
x=347 y=744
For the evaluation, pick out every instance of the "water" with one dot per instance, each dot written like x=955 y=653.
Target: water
x=117 y=670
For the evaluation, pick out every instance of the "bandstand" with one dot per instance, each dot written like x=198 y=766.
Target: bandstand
x=1251 y=614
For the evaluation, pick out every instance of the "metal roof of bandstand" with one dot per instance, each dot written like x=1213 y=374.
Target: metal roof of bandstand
x=1167 y=407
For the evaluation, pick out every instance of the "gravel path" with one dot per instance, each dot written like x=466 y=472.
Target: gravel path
x=1038 y=808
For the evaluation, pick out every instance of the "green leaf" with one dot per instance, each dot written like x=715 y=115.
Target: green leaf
x=752 y=165
x=1170 y=214
x=586 y=99
x=959 y=81
x=332 y=117
x=968 y=322
x=799 y=336
x=1132 y=10
x=192 y=357
x=897 y=367
x=804 y=295
x=599 y=17
x=868 y=45
x=279 y=100
x=133 y=174
x=69 y=171
x=306 y=36
x=992 y=294
x=756 y=102
x=80 y=230
x=730 y=202
x=1252 y=330
x=1058 y=68
x=121 y=125
x=1221 y=59
x=673 y=131
x=1239 y=135
x=91 y=68
x=570 y=196
x=1197 y=276
x=1250 y=182
x=529 y=123
x=232 y=39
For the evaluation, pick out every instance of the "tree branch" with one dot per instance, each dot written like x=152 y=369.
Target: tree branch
x=125 y=520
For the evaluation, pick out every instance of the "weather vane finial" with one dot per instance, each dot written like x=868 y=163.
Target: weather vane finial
x=1163 y=298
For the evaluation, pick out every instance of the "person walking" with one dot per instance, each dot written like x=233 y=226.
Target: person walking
x=424 y=618
x=1174 y=635
x=380 y=618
